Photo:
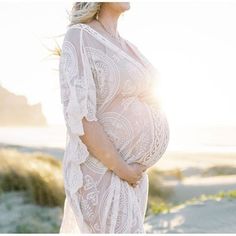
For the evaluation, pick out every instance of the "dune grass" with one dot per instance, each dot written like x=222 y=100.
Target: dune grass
x=36 y=173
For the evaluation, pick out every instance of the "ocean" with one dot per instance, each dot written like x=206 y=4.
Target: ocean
x=215 y=138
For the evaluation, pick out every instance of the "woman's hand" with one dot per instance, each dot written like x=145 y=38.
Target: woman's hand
x=134 y=173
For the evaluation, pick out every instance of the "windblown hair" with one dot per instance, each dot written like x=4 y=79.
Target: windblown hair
x=83 y=12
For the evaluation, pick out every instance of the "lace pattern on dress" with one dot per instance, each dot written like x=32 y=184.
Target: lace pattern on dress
x=78 y=96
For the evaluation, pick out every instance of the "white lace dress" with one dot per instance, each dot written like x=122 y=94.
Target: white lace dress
x=104 y=83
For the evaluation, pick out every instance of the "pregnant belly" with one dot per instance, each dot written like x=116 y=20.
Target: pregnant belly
x=139 y=132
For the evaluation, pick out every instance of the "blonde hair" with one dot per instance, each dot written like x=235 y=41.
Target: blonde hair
x=83 y=12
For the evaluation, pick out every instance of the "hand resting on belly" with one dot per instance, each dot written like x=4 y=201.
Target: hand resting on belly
x=101 y=147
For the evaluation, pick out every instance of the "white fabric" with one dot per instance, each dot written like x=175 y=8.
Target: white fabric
x=104 y=83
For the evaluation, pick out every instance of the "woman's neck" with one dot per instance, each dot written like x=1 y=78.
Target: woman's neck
x=109 y=18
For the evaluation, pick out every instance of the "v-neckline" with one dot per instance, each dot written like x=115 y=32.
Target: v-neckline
x=112 y=45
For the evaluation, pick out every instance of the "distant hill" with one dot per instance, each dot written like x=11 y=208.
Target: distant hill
x=15 y=111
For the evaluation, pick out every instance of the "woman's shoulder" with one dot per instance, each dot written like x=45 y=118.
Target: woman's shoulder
x=75 y=30
x=81 y=26
x=76 y=26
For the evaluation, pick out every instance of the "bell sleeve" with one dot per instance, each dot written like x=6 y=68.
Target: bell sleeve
x=78 y=99
x=78 y=91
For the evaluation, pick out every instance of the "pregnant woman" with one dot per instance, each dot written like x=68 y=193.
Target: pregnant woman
x=116 y=128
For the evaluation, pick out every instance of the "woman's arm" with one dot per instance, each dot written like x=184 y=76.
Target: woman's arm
x=100 y=146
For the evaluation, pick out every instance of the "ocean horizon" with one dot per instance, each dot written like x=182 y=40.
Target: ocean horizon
x=220 y=139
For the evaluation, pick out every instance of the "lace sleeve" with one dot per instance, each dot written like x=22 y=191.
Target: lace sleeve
x=78 y=97
x=78 y=91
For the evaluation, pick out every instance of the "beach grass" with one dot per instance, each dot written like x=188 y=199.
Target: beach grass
x=36 y=173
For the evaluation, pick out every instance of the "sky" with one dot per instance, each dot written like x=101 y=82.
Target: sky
x=191 y=43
